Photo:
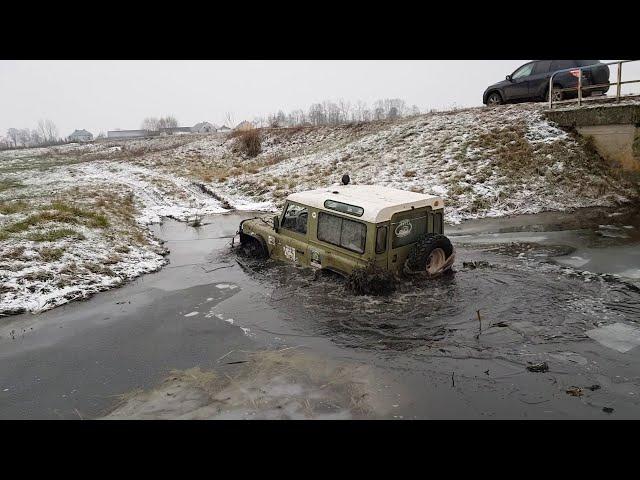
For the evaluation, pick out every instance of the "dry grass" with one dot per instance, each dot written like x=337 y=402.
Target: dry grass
x=51 y=254
x=247 y=142
x=55 y=234
x=9 y=208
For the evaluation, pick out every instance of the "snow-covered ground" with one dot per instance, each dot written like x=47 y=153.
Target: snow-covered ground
x=73 y=218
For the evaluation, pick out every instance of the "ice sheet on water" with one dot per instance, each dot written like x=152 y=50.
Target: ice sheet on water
x=618 y=336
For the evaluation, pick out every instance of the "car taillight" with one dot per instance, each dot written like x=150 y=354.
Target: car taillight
x=575 y=73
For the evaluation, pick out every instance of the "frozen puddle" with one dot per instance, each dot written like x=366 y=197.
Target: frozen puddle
x=619 y=336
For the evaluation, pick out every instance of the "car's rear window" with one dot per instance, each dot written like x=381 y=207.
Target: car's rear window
x=542 y=67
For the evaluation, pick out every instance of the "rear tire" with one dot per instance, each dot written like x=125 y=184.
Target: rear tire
x=558 y=95
x=429 y=254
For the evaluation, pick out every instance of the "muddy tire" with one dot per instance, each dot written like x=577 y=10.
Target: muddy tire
x=428 y=254
x=252 y=247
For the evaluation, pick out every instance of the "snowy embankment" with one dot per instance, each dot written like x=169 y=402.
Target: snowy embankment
x=73 y=218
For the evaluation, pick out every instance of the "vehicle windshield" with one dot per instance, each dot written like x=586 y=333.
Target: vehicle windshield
x=523 y=71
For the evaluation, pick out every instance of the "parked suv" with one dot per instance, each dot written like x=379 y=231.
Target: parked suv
x=530 y=82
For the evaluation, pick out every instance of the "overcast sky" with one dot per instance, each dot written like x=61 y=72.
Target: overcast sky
x=105 y=95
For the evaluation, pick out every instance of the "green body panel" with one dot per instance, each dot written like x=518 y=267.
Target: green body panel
x=308 y=251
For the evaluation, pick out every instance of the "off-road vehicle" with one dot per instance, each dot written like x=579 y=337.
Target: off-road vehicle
x=346 y=227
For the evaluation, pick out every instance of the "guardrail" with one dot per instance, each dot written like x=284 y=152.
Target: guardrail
x=580 y=87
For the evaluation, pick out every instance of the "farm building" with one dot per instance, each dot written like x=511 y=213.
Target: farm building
x=204 y=127
x=129 y=133
x=81 y=136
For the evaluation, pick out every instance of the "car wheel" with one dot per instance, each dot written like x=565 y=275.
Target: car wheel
x=556 y=93
x=431 y=255
x=494 y=99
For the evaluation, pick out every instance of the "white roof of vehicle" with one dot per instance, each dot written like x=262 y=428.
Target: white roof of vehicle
x=379 y=203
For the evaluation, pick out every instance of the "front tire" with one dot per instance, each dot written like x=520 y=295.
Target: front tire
x=252 y=247
x=431 y=255
x=494 y=99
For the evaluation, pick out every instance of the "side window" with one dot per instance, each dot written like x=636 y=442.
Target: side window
x=342 y=232
x=542 y=67
x=523 y=71
x=295 y=218
x=381 y=240
x=562 y=64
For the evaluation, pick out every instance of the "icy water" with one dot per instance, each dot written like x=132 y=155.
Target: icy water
x=539 y=320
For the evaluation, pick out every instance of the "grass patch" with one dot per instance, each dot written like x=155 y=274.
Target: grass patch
x=58 y=212
x=94 y=220
x=56 y=234
x=9 y=184
x=8 y=208
x=51 y=254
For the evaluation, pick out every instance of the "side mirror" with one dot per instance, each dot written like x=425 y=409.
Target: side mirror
x=276 y=223
x=508 y=77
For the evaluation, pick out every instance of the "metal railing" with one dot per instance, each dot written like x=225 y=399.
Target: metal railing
x=580 y=87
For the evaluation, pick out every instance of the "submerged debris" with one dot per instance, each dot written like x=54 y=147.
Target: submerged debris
x=538 y=367
x=476 y=264
x=575 y=391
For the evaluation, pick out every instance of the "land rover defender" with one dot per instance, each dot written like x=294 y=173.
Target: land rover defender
x=341 y=228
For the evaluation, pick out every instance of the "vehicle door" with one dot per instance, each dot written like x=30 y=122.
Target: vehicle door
x=518 y=86
x=539 y=78
x=292 y=240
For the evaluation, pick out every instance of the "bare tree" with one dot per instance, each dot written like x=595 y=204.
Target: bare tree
x=229 y=120
x=150 y=124
x=13 y=134
x=171 y=121
x=345 y=109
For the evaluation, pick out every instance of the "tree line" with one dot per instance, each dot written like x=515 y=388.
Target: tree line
x=153 y=124
x=339 y=112
x=45 y=134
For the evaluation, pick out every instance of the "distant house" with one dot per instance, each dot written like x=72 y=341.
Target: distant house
x=244 y=126
x=224 y=128
x=204 y=127
x=81 y=136
x=129 y=133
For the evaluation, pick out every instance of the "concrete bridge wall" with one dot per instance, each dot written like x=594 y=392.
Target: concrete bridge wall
x=614 y=128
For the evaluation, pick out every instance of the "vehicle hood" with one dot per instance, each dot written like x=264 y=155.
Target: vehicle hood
x=501 y=84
